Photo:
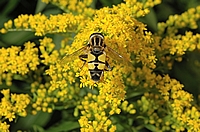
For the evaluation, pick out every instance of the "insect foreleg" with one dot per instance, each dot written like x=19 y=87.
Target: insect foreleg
x=83 y=58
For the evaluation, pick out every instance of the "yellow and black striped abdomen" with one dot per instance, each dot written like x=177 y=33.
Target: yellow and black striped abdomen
x=96 y=64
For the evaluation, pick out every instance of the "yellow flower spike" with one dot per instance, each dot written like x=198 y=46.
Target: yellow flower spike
x=42 y=25
x=98 y=110
x=72 y=6
x=175 y=22
x=178 y=102
x=13 y=106
x=20 y=65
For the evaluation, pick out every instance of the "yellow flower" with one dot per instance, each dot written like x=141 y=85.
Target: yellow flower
x=13 y=105
x=4 y=127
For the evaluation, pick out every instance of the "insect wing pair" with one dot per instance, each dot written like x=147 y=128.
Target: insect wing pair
x=95 y=54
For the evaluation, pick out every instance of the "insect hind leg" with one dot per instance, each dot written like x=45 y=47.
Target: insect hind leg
x=107 y=68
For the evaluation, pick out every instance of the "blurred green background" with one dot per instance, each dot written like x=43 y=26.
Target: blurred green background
x=187 y=71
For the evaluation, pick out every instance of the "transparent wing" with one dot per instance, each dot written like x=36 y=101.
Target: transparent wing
x=117 y=57
x=75 y=55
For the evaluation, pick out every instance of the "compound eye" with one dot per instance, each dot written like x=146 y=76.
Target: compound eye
x=97 y=41
x=92 y=42
x=102 y=42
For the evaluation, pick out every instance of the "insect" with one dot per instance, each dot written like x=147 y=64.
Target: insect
x=95 y=54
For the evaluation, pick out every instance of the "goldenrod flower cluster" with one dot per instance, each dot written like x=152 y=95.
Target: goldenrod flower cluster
x=177 y=44
x=132 y=91
x=41 y=24
x=74 y=6
x=12 y=105
x=15 y=60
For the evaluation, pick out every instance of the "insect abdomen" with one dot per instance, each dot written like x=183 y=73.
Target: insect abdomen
x=96 y=74
x=96 y=65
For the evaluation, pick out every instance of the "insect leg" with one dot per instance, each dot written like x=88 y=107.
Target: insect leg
x=102 y=78
x=107 y=68
x=83 y=58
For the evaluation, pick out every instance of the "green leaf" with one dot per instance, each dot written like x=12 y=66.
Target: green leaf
x=37 y=128
x=59 y=107
x=51 y=11
x=64 y=126
x=151 y=20
x=151 y=127
x=9 y=7
x=29 y=121
x=57 y=38
x=141 y=117
x=40 y=6
x=16 y=38
x=110 y=2
x=133 y=94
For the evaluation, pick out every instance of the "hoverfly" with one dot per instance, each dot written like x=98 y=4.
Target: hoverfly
x=95 y=54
